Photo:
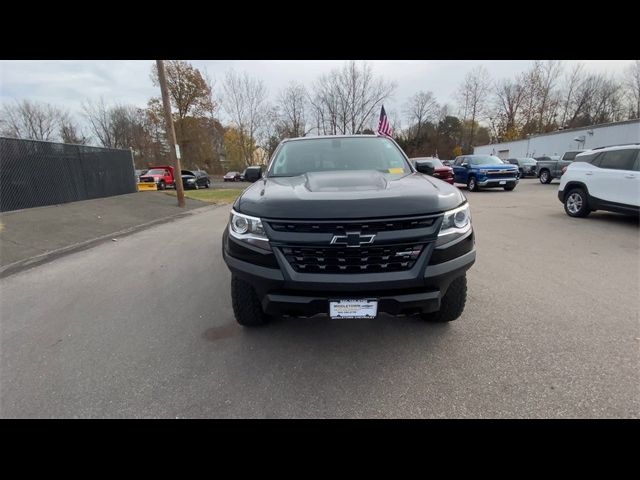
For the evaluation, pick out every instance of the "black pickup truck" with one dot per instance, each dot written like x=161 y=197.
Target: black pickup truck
x=346 y=226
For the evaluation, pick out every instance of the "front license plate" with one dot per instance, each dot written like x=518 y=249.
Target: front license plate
x=353 y=308
x=503 y=182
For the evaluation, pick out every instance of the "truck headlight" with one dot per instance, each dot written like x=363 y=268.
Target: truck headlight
x=455 y=225
x=191 y=180
x=248 y=229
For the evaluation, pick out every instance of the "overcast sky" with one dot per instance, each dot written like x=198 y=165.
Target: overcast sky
x=67 y=83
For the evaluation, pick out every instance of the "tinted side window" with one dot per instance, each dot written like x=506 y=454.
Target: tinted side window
x=570 y=155
x=636 y=166
x=619 y=159
x=592 y=158
x=458 y=161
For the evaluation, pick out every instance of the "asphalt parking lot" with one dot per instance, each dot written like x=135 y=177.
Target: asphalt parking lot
x=144 y=328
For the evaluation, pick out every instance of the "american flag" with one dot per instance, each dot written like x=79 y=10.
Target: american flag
x=384 y=128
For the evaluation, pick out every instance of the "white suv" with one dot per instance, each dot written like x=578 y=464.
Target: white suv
x=602 y=179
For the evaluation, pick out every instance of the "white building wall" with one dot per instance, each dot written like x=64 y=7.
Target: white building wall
x=556 y=143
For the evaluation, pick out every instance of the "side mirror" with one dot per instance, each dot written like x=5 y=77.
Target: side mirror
x=465 y=165
x=425 y=167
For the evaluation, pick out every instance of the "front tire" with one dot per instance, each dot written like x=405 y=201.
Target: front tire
x=162 y=185
x=452 y=304
x=208 y=184
x=472 y=184
x=246 y=305
x=576 y=203
x=545 y=177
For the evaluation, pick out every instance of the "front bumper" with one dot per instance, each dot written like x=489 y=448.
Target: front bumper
x=284 y=291
x=495 y=182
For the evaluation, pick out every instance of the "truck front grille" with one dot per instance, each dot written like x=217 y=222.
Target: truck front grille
x=392 y=258
x=501 y=174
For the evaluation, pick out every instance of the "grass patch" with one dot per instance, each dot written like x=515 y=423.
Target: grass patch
x=222 y=195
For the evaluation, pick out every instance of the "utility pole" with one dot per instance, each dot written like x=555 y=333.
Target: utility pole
x=171 y=133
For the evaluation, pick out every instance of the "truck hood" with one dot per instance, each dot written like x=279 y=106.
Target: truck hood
x=347 y=195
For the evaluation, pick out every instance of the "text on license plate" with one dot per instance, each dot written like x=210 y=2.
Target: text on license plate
x=502 y=182
x=353 y=308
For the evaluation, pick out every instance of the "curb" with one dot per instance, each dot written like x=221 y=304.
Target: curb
x=46 y=257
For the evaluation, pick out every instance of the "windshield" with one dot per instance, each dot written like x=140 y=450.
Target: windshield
x=434 y=162
x=187 y=172
x=156 y=171
x=231 y=173
x=340 y=153
x=486 y=160
x=527 y=161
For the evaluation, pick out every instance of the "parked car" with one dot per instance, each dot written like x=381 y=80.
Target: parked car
x=484 y=171
x=195 y=179
x=232 y=177
x=602 y=179
x=552 y=168
x=439 y=170
x=526 y=166
x=163 y=176
x=251 y=174
x=139 y=173
x=344 y=226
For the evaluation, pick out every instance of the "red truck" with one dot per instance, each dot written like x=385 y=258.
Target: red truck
x=163 y=176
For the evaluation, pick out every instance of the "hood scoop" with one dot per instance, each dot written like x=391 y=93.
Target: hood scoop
x=355 y=180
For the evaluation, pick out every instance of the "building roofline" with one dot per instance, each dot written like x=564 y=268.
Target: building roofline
x=587 y=127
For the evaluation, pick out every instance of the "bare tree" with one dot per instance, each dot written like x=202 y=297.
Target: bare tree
x=547 y=77
x=572 y=83
x=115 y=126
x=98 y=115
x=293 y=106
x=631 y=82
x=597 y=99
x=70 y=132
x=419 y=109
x=31 y=120
x=345 y=100
x=245 y=103
x=509 y=95
x=607 y=102
x=325 y=103
x=473 y=97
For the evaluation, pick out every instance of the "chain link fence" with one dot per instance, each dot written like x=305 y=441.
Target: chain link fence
x=34 y=173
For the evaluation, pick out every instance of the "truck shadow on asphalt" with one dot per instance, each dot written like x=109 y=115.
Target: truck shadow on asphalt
x=319 y=326
x=600 y=217
x=613 y=218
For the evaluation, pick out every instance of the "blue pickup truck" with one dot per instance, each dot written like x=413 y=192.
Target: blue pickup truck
x=484 y=171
